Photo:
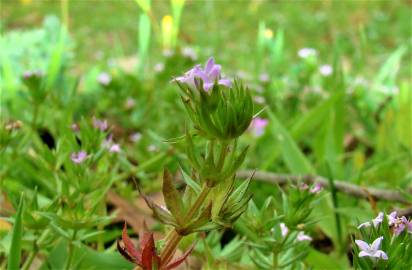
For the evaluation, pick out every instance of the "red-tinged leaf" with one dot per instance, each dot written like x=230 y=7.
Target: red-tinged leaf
x=124 y=253
x=148 y=251
x=180 y=260
x=136 y=255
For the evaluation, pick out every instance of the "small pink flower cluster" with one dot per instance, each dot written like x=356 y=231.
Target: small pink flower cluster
x=315 y=189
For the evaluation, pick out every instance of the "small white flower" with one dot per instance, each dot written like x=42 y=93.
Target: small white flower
x=372 y=250
x=326 y=70
x=283 y=229
x=375 y=222
x=303 y=237
x=307 y=52
x=135 y=137
x=189 y=52
x=159 y=67
x=104 y=78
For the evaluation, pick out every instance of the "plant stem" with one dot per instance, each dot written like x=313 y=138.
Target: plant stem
x=36 y=245
x=35 y=114
x=222 y=156
x=173 y=238
x=71 y=251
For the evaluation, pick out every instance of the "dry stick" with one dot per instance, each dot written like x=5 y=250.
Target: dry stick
x=344 y=187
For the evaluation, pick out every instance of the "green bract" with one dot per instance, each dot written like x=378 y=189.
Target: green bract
x=222 y=113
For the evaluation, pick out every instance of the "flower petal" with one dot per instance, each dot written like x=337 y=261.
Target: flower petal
x=362 y=245
x=209 y=64
x=364 y=254
x=380 y=254
x=377 y=243
x=365 y=224
x=214 y=73
x=225 y=82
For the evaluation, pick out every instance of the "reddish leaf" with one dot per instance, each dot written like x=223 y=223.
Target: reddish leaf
x=148 y=251
x=136 y=255
x=181 y=259
x=124 y=253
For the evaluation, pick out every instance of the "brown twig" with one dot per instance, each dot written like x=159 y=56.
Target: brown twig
x=341 y=186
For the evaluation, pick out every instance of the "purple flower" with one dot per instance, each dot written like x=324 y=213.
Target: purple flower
x=78 y=157
x=100 y=124
x=283 y=229
x=316 y=188
x=392 y=218
x=104 y=78
x=258 y=125
x=114 y=148
x=372 y=250
x=376 y=221
x=209 y=76
x=303 y=237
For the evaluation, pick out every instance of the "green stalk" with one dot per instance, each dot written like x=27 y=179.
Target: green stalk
x=173 y=238
x=71 y=251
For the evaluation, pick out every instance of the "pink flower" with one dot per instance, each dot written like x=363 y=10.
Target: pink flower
x=316 y=188
x=104 y=79
x=258 y=126
x=372 y=250
x=114 y=148
x=78 y=157
x=100 y=124
x=303 y=237
x=210 y=75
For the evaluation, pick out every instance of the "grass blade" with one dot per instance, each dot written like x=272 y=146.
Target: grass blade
x=15 y=247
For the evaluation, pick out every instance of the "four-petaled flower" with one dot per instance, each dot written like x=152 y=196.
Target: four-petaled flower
x=210 y=75
x=257 y=126
x=78 y=157
x=372 y=250
x=146 y=255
